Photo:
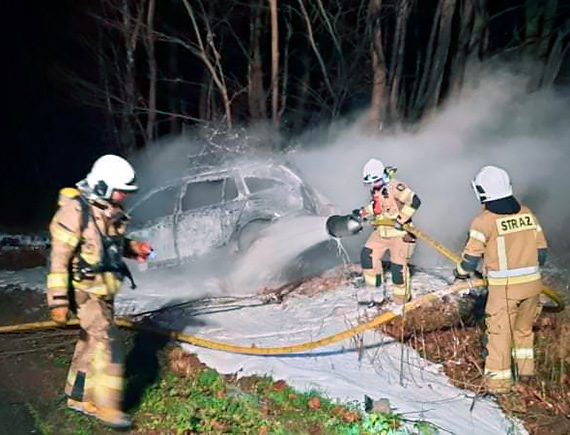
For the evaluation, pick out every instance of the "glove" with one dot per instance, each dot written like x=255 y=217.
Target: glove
x=142 y=250
x=460 y=276
x=59 y=315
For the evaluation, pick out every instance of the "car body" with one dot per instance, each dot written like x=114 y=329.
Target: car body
x=224 y=203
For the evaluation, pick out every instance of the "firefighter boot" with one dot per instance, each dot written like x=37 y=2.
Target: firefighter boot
x=87 y=408
x=114 y=418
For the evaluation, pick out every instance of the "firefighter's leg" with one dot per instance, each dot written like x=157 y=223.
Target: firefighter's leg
x=107 y=361
x=79 y=385
x=499 y=338
x=371 y=261
x=523 y=337
x=400 y=254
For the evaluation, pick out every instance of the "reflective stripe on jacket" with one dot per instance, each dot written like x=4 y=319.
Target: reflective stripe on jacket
x=509 y=245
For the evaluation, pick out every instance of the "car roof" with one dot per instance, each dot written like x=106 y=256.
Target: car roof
x=214 y=164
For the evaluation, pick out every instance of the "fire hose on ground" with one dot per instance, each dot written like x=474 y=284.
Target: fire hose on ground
x=382 y=318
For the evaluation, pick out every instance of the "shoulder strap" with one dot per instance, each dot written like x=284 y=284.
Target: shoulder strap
x=84 y=214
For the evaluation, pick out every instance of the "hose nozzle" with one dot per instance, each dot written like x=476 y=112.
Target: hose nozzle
x=343 y=226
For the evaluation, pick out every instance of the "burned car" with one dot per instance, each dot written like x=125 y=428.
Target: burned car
x=219 y=204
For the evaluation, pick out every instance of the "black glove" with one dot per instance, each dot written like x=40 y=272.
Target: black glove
x=460 y=276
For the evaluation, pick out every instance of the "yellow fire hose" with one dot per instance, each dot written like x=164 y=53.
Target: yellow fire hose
x=225 y=347
x=303 y=347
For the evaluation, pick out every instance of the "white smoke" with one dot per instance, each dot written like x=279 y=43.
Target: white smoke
x=493 y=121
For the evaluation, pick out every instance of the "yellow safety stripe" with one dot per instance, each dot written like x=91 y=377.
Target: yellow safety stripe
x=399 y=290
x=498 y=374
x=65 y=237
x=523 y=353
x=502 y=253
x=99 y=289
x=370 y=279
x=514 y=279
x=407 y=211
x=57 y=280
x=477 y=235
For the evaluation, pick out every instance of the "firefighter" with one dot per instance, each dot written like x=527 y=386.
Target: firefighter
x=390 y=200
x=86 y=270
x=509 y=239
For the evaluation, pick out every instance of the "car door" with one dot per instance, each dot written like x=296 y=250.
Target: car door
x=234 y=203
x=153 y=220
x=199 y=222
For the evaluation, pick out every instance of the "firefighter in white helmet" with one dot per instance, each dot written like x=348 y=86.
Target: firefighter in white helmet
x=509 y=239
x=86 y=270
x=391 y=200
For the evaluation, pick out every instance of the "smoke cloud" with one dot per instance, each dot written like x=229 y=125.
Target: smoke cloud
x=494 y=121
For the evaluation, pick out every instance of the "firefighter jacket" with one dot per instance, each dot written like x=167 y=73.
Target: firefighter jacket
x=394 y=201
x=79 y=242
x=510 y=245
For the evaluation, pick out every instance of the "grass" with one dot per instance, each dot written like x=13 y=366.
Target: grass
x=543 y=404
x=187 y=397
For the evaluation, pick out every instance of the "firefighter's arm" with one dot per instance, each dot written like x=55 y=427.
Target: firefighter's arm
x=138 y=249
x=473 y=251
x=411 y=203
x=541 y=244
x=65 y=236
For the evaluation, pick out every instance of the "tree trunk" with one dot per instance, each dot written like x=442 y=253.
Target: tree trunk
x=479 y=40
x=422 y=93
x=256 y=92
x=404 y=7
x=463 y=40
x=205 y=102
x=152 y=72
x=558 y=53
x=274 y=62
x=442 y=53
x=304 y=83
x=376 y=112
x=131 y=31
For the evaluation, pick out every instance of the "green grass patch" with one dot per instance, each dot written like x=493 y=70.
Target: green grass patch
x=188 y=397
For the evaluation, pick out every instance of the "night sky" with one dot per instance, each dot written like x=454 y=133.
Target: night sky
x=49 y=140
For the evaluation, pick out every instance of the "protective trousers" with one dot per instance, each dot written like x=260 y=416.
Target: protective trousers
x=97 y=369
x=510 y=315
x=401 y=250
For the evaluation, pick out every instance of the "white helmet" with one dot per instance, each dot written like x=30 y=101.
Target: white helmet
x=374 y=172
x=110 y=173
x=492 y=183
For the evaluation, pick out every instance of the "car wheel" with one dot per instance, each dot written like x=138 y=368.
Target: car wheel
x=250 y=232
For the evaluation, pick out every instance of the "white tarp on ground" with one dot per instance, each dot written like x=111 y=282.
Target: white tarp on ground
x=416 y=388
x=382 y=369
